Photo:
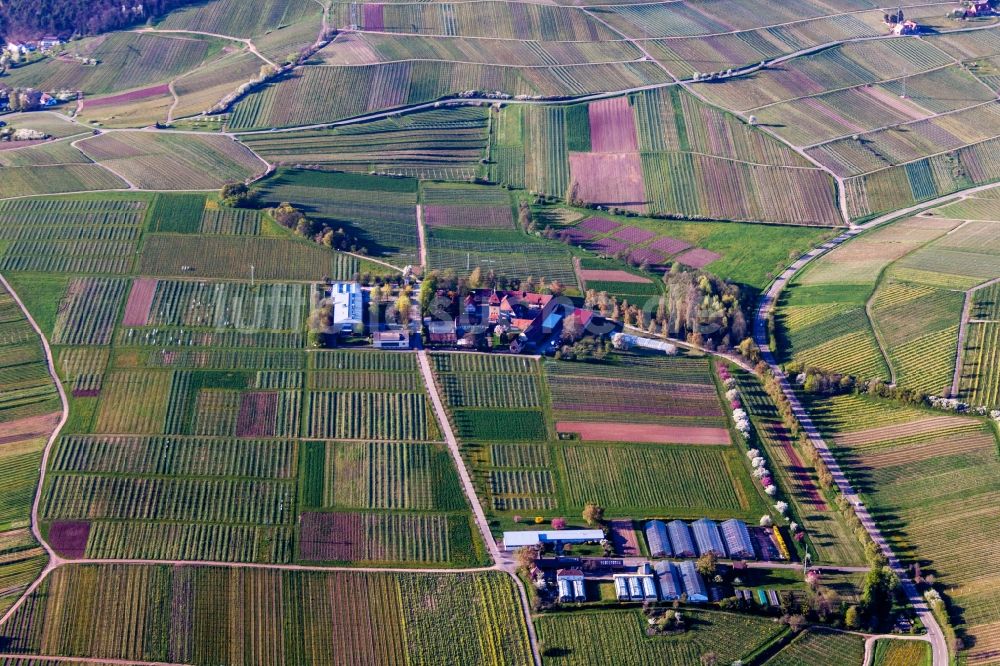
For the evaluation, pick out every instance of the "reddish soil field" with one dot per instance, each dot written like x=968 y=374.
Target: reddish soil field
x=257 y=414
x=592 y=431
x=140 y=300
x=669 y=245
x=327 y=537
x=86 y=393
x=470 y=217
x=601 y=225
x=612 y=126
x=608 y=178
x=373 y=19
x=126 y=97
x=624 y=539
x=69 y=537
x=28 y=428
x=611 y=276
x=698 y=257
x=11 y=145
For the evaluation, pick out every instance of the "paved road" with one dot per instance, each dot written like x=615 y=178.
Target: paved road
x=765 y=308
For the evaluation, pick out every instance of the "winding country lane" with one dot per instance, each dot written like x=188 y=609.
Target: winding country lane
x=760 y=335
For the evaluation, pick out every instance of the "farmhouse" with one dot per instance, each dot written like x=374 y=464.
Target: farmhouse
x=658 y=540
x=442 y=332
x=391 y=339
x=680 y=538
x=737 y=538
x=515 y=540
x=347 y=301
x=694 y=584
x=669 y=579
x=570 y=584
x=706 y=535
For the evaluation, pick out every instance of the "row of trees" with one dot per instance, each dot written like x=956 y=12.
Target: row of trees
x=292 y=218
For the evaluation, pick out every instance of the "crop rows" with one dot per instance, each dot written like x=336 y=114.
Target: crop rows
x=484 y=363
x=390 y=382
x=230 y=305
x=392 y=476
x=521 y=482
x=89 y=311
x=499 y=391
x=494 y=425
x=162 y=337
x=364 y=537
x=377 y=361
x=133 y=402
x=160 y=161
x=226 y=359
x=84 y=368
x=231 y=221
x=23 y=181
x=822 y=647
x=180 y=541
x=519 y=455
x=980 y=382
x=638 y=399
x=357 y=616
x=364 y=415
x=689 y=481
x=251 y=501
x=175 y=456
x=588 y=638
x=228 y=257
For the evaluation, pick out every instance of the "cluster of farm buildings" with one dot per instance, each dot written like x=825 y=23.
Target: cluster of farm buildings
x=481 y=319
x=661 y=580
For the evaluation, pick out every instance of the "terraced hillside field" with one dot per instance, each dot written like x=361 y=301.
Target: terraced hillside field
x=898 y=298
x=924 y=476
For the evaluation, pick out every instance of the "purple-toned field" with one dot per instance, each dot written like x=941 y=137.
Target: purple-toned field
x=69 y=537
x=258 y=411
x=469 y=217
x=607 y=246
x=698 y=257
x=612 y=126
x=634 y=235
x=373 y=17
x=669 y=245
x=613 y=179
x=128 y=97
x=645 y=255
x=140 y=300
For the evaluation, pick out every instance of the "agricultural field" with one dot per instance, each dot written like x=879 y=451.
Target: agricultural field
x=125 y=61
x=417 y=616
x=29 y=412
x=241 y=19
x=821 y=647
x=671 y=154
x=173 y=162
x=829 y=537
x=924 y=476
x=733 y=251
x=581 y=639
x=507 y=252
x=891 y=303
x=380 y=212
x=441 y=143
x=897 y=653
